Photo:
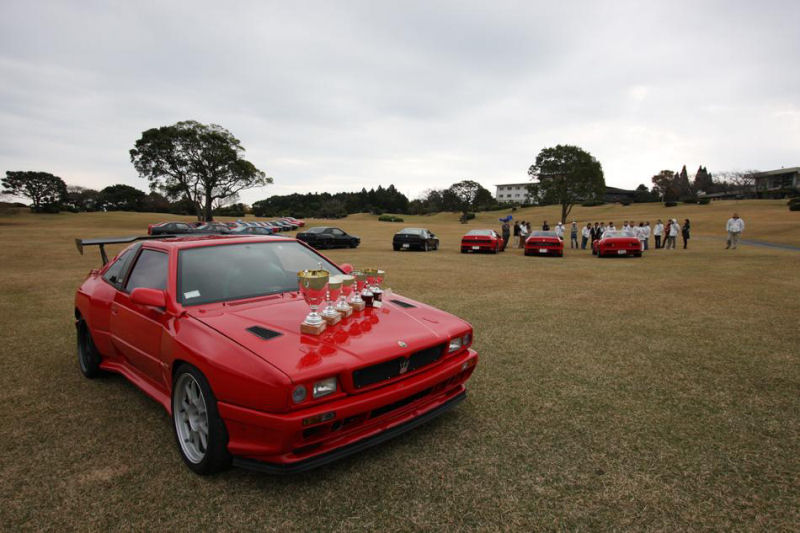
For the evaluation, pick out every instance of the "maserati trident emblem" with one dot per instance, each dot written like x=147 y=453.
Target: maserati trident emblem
x=404 y=366
x=402 y=344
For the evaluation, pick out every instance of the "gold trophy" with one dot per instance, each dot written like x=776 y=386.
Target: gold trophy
x=330 y=314
x=313 y=285
x=361 y=281
x=347 y=289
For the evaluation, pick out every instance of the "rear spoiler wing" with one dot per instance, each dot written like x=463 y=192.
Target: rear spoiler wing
x=80 y=243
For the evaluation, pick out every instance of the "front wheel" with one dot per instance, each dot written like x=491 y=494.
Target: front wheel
x=199 y=430
x=88 y=356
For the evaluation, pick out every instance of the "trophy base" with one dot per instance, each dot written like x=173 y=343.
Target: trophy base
x=377 y=303
x=357 y=306
x=345 y=312
x=312 y=329
x=332 y=319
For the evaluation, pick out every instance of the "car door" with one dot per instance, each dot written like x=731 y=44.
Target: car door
x=137 y=330
x=339 y=237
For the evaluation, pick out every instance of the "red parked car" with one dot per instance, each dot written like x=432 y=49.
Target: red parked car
x=544 y=243
x=481 y=240
x=617 y=243
x=209 y=327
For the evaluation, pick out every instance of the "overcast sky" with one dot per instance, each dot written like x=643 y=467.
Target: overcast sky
x=335 y=96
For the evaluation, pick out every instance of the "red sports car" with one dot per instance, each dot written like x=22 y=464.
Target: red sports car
x=544 y=243
x=482 y=240
x=616 y=243
x=209 y=327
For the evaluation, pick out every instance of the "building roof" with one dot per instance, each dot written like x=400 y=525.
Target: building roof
x=790 y=170
x=515 y=184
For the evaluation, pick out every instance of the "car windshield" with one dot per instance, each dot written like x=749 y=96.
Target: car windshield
x=618 y=235
x=482 y=232
x=544 y=234
x=235 y=271
x=316 y=230
x=414 y=231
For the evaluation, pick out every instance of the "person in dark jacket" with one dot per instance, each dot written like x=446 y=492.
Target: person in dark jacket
x=506 y=234
x=516 y=234
x=685 y=232
x=545 y=226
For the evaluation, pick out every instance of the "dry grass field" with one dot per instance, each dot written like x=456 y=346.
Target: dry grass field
x=660 y=393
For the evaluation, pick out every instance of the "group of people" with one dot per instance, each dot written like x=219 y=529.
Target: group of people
x=665 y=235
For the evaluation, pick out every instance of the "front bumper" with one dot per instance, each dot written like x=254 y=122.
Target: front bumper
x=282 y=443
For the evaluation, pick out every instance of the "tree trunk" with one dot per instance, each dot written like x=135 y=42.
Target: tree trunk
x=209 y=215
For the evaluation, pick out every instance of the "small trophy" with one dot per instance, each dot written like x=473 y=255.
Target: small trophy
x=347 y=289
x=375 y=277
x=313 y=285
x=361 y=282
x=330 y=314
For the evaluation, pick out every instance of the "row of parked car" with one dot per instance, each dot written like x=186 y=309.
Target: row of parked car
x=226 y=228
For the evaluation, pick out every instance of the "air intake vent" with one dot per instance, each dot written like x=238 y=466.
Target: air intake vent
x=264 y=333
x=401 y=303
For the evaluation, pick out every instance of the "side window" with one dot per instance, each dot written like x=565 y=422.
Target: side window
x=337 y=232
x=115 y=274
x=181 y=227
x=149 y=271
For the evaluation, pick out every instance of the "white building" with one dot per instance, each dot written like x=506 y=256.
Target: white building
x=514 y=192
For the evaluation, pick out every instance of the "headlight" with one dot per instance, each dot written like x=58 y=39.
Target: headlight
x=324 y=387
x=299 y=394
x=455 y=344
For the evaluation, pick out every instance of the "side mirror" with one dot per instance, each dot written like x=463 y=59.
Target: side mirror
x=346 y=267
x=150 y=297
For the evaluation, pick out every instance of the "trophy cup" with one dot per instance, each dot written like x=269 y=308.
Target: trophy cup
x=313 y=284
x=330 y=314
x=347 y=289
x=374 y=279
x=361 y=281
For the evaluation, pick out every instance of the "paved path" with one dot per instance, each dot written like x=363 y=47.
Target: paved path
x=751 y=242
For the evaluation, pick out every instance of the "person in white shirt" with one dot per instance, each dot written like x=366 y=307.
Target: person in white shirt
x=611 y=227
x=626 y=226
x=560 y=230
x=735 y=227
x=573 y=235
x=523 y=233
x=641 y=234
x=673 y=234
x=586 y=234
x=658 y=231
x=647 y=235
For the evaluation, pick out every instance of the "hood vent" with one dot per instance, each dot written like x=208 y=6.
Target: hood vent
x=401 y=303
x=263 y=333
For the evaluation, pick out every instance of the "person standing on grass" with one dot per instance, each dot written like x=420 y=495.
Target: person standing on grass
x=610 y=227
x=672 y=234
x=626 y=226
x=685 y=232
x=560 y=231
x=516 y=234
x=641 y=234
x=647 y=235
x=573 y=235
x=735 y=227
x=586 y=234
x=506 y=234
x=602 y=230
x=523 y=233
x=658 y=231
x=545 y=226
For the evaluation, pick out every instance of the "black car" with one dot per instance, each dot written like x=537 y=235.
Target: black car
x=283 y=226
x=328 y=237
x=171 y=228
x=212 y=228
x=415 y=239
x=252 y=230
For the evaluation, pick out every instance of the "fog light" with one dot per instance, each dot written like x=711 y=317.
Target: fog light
x=317 y=419
x=299 y=394
x=324 y=387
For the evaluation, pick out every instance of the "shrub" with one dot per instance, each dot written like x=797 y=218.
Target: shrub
x=670 y=204
x=704 y=201
x=625 y=201
x=794 y=204
x=592 y=203
x=389 y=218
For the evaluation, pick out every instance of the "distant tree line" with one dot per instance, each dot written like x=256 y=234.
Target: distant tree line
x=338 y=205
x=463 y=197
x=670 y=187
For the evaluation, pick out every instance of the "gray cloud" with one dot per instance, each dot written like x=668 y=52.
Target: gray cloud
x=336 y=96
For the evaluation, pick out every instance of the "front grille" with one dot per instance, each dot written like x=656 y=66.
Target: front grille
x=392 y=368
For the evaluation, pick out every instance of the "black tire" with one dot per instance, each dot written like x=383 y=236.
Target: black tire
x=88 y=356
x=396 y=248
x=215 y=457
x=463 y=251
x=527 y=252
x=599 y=256
x=436 y=246
x=353 y=244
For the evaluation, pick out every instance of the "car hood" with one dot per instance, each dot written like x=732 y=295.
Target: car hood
x=367 y=337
